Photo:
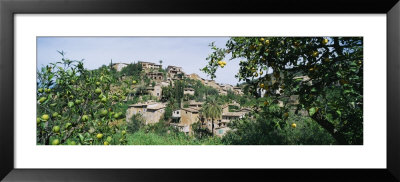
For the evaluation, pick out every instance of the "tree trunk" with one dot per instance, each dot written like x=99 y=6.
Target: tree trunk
x=212 y=130
x=339 y=137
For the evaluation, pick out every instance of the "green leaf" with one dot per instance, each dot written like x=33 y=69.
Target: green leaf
x=347 y=91
x=311 y=111
x=81 y=137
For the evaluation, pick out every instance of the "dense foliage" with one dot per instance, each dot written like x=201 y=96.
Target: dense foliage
x=76 y=106
x=301 y=90
x=331 y=89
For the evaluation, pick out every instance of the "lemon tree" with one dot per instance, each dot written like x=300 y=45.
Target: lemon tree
x=326 y=73
x=76 y=106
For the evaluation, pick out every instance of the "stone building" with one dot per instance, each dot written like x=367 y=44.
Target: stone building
x=233 y=115
x=176 y=114
x=225 y=108
x=155 y=76
x=173 y=71
x=237 y=90
x=148 y=65
x=151 y=111
x=222 y=92
x=119 y=66
x=164 y=84
x=194 y=76
x=188 y=117
x=246 y=109
x=155 y=91
x=189 y=91
x=176 y=122
x=221 y=125
x=195 y=104
x=211 y=83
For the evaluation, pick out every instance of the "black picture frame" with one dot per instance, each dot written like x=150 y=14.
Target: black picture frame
x=9 y=8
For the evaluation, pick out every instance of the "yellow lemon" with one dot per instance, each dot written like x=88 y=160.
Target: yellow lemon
x=56 y=129
x=315 y=53
x=99 y=136
x=42 y=99
x=45 y=117
x=325 y=41
x=55 y=142
x=286 y=115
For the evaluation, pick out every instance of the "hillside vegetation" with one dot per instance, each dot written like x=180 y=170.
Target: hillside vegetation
x=77 y=106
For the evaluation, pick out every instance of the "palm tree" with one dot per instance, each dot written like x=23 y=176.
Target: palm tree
x=212 y=109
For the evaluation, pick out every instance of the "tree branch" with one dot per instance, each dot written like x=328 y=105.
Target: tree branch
x=328 y=126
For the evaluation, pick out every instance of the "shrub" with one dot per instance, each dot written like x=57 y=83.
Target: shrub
x=136 y=123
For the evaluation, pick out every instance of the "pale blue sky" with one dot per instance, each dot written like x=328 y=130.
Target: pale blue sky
x=188 y=52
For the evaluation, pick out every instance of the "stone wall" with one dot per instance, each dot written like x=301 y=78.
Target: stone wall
x=132 y=111
x=153 y=116
x=188 y=118
x=149 y=115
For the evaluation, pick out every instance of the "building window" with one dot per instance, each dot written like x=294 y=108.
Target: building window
x=177 y=112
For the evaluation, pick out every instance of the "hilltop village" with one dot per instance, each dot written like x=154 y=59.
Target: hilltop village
x=289 y=91
x=188 y=112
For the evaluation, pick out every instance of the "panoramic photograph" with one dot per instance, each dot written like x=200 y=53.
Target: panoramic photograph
x=199 y=91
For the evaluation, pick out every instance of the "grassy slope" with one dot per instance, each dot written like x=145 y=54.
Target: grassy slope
x=142 y=138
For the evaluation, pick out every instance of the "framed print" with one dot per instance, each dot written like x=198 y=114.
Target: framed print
x=183 y=91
